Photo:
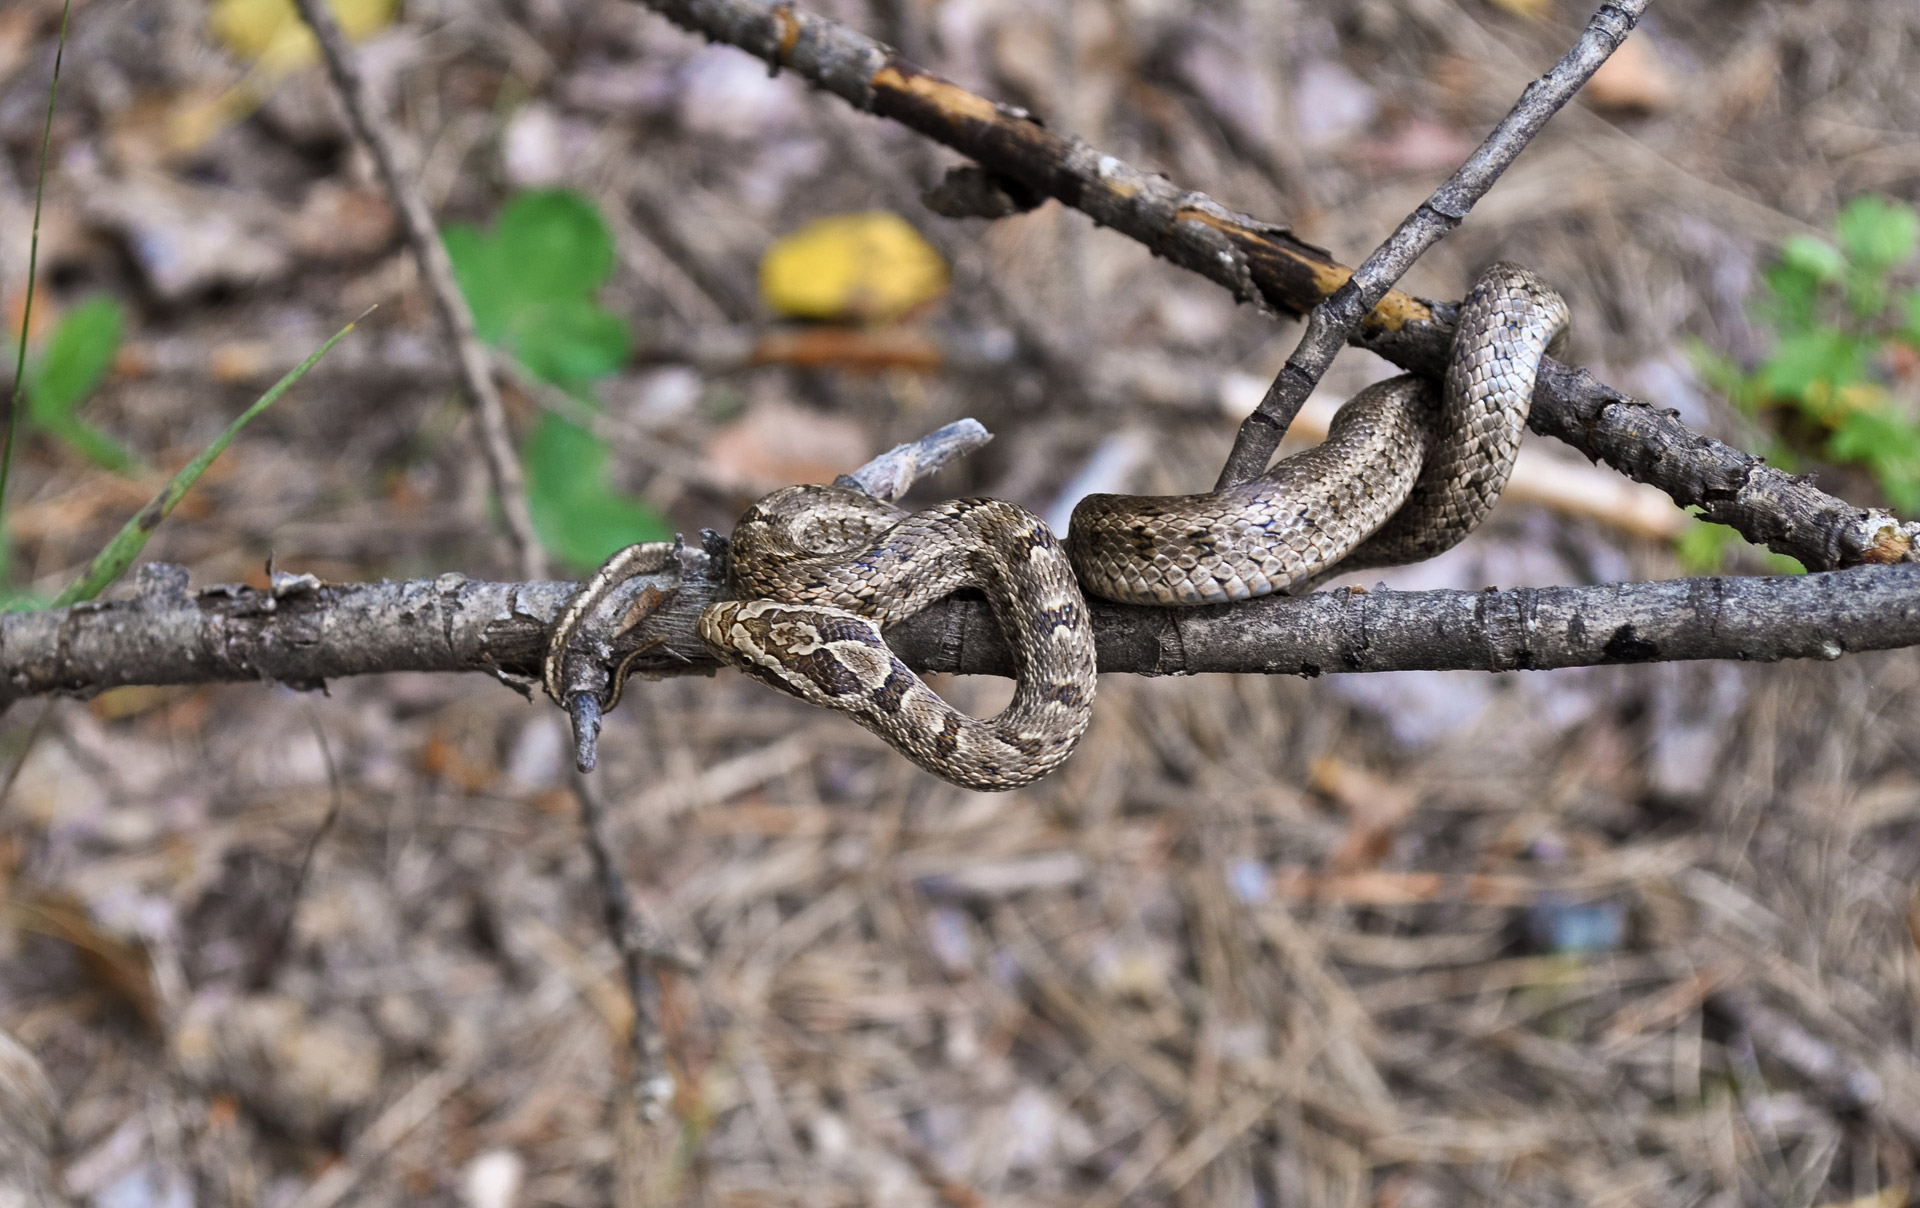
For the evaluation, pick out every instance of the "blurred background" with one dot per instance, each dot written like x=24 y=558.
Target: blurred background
x=1635 y=935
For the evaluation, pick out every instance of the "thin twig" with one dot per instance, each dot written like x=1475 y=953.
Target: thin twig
x=436 y=273
x=653 y=1083
x=1264 y=264
x=26 y=748
x=1332 y=323
x=276 y=948
x=33 y=265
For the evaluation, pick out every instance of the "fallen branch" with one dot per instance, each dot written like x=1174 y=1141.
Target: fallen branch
x=1266 y=265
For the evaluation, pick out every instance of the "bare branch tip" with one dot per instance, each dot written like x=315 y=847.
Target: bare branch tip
x=583 y=710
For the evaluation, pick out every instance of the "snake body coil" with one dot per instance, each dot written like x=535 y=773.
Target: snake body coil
x=1405 y=472
x=822 y=570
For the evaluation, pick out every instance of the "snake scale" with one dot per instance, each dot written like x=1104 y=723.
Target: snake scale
x=1405 y=472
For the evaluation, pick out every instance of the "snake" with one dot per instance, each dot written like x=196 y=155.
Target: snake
x=1407 y=470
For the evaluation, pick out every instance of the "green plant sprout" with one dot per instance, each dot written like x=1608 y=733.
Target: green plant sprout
x=531 y=283
x=1843 y=380
x=66 y=372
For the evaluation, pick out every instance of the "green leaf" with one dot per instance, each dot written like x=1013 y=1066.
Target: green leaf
x=556 y=246
x=1721 y=372
x=1812 y=257
x=112 y=561
x=1876 y=231
x=95 y=445
x=68 y=371
x=1910 y=318
x=1703 y=547
x=75 y=360
x=1823 y=356
x=1866 y=292
x=1888 y=445
x=65 y=375
x=531 y=282
x=570 y=342
x=483 y=278
x=577 y=515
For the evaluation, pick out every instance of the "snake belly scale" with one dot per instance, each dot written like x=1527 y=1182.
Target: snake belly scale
x=1406 y=471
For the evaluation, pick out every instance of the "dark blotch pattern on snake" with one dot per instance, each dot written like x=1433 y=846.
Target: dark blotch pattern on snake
x=1405 y=472
x=821 y=570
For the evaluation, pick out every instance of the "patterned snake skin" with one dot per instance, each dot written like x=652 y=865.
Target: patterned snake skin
x=1404 y=473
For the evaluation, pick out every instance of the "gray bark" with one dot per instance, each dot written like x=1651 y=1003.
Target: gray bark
x=302 y=632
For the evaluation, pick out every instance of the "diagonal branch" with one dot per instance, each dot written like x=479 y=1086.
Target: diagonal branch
x=302 y=632
x=1332 y=323
x=1266 y=265
x=436 y=273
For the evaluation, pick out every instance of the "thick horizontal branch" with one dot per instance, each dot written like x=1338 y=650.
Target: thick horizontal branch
x=302 y=632
x=1266 y=265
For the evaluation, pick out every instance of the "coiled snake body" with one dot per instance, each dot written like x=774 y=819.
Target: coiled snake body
x=1405 y=472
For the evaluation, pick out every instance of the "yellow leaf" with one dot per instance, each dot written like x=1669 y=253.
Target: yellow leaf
x=272 y=35
x=1833 y=404
x=859 y=267
x=1531 y=9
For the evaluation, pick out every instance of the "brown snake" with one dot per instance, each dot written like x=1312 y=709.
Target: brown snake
x=1405 y=472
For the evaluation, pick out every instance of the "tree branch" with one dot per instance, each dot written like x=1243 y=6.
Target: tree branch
x=302 y=632
x=653 y=1081
x=436 y=273
x=1332 y=323
x=1266 y=265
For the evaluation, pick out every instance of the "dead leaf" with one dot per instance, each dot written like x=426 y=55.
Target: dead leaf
x=776 y=443
x=1634 y=79
x=117 y=965
x=188 y=238
x=338 y=223
x=1418 y=146
x=302 y=1073
x=1375 y=806
x=1532 y=10
x=162 y=128
x=18 y=25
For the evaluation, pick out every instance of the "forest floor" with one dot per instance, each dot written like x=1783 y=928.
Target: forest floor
x=1633 y=936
